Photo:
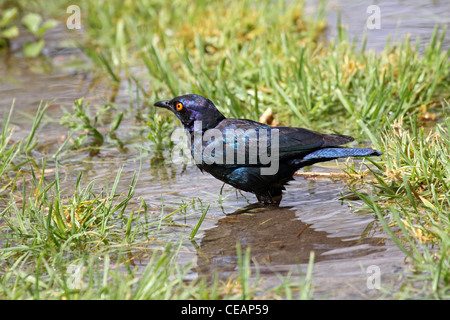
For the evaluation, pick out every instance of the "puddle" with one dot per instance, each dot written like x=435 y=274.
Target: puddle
x=398 y=19
x=310 y=217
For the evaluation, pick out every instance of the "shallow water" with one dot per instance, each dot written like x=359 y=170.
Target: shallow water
x=398 y=19
x=310 y=218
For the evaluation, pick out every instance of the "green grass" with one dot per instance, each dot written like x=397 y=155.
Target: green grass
x=411 y=198
x=15 y=154
x=250 y=56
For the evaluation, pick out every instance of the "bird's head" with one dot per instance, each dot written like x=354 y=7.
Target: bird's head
x=191 y=107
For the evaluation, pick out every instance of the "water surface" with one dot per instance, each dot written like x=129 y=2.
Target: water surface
x=310 y=218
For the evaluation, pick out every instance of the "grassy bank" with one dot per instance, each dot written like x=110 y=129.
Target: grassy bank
x=411 y=198
x=249 y=57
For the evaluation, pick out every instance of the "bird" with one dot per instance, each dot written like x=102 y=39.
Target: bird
x=225 y=148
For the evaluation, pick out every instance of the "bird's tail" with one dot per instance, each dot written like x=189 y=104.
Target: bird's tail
x=335 y=140
x=332 y=153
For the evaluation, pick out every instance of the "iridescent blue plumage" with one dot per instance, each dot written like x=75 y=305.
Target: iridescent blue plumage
x=330 y=153
x=234 y=139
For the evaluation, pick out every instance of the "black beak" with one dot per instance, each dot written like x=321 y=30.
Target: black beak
x=163 y=104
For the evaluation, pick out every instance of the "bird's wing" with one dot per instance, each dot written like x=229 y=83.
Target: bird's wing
x=244 y=142
x=296 y=142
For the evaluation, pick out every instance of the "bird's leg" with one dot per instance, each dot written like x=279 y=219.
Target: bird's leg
x=270 y=198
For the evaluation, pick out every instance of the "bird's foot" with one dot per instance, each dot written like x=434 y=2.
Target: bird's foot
x=267 y=199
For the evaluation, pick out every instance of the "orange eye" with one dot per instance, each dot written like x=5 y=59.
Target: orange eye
x=179 y=106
